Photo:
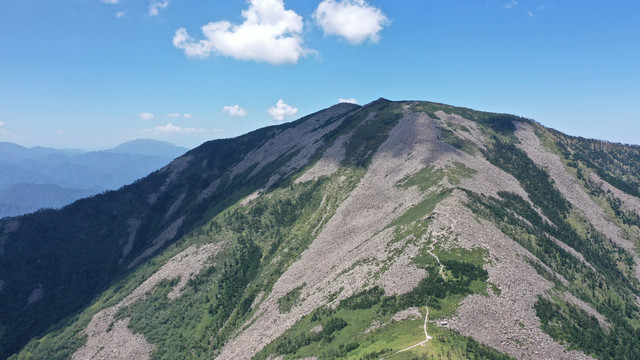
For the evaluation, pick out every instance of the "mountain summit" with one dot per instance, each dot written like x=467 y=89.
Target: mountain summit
x=149 y=147
x=391 y=230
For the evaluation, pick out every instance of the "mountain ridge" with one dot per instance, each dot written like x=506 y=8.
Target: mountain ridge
x=333 y=235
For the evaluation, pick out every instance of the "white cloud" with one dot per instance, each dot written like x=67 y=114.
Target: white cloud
x=60 y=132
x=354 y=20
x=281 y=110
x=349 y=101
x=269 y=33
x=8 y=134
x=170 y=129
x=176 y=115
x=110 y=1
x=530 y=13
x=146 y=116
x=155 y=5
x=121 y=14
x=511 y=4
x=235 y=110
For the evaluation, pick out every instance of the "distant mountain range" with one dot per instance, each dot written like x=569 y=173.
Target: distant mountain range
x=39 y=177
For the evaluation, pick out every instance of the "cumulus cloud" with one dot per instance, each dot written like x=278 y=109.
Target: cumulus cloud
x=235 y=110
x=60 y=132
x=187 y=116
x=281 y=110
x=170 y=129
x=110 y=1
x=2 y=123
x=173 y=115
x=354 y=20
x=269 y=33
x=511 y=4
x=121 y=14
x=145 y=116
x=155 y=5
x=349 y=101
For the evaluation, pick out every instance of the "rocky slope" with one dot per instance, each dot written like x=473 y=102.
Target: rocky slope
x=355 y=232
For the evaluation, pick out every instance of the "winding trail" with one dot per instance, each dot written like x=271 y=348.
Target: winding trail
x=427 y=337
x=426 y=317
x=430 y=251
x=452 y=223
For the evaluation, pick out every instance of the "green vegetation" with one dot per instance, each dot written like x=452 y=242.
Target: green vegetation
x=624 y=215
x=420 y=210
x=499 y=123
x=457 y=142
x=356 y=313
x=569 y=324
x=265 y=237
x=464 y=275
x=610 y=289
x=81 y=245
x=182 y=326
x=368 y=133
x=617 y=164
x=429 y=176
x=610 y=260
x=287 y=302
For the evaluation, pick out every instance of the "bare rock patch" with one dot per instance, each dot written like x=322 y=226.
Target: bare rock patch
x=36 y=295
x=111 y=339
x=168 y=234
x=134 y=225
x=410 y=313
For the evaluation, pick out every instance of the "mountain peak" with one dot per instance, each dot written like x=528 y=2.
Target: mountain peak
x=474 y=234
x=149 y=147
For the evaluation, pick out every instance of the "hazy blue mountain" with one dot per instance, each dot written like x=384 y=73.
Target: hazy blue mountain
x=396 y=230
x=11 y=174
x=10 y=152
x=26 y=198
x=74 y=173
x=150 y=147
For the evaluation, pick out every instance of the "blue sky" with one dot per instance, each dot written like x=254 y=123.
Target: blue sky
x=94 y=73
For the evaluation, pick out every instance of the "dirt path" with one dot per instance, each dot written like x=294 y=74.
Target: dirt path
x=426 y=335
x=430 y=251
x=426 y=317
